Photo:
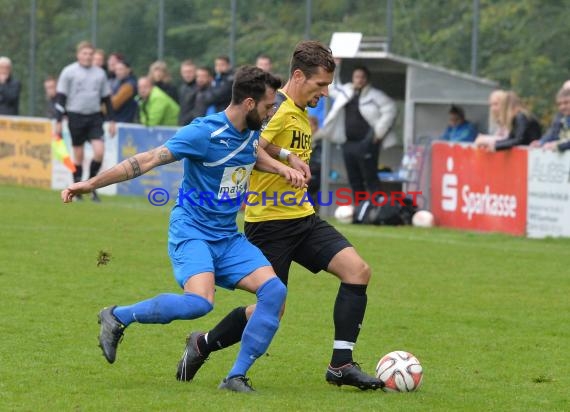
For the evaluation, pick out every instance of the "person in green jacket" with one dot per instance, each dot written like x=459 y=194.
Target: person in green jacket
x=156 y=108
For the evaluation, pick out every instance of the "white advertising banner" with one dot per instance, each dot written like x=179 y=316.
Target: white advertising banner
x=548 y=194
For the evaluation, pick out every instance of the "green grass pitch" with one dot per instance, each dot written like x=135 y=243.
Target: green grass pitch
x=486 y=314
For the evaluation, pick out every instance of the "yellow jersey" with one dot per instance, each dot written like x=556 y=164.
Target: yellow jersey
x=270 y=196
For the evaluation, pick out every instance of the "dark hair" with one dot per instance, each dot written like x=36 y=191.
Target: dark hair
x=363 y=69
x=458 y=111
x=123 y=61
x=251 y=81
x=223 y=57
x=206 y=69
x=309 y=55
x=117 y=55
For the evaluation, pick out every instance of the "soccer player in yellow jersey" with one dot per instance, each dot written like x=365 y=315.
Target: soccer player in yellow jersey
x=283 y=224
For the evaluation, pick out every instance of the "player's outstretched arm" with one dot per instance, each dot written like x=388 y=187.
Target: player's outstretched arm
x=266 y=163
x=128 y=169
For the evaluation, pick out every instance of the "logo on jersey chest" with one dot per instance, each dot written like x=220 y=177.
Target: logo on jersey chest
x=234 y=181
x=300 y=140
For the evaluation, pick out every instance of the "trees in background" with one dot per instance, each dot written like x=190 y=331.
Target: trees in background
x=521 y=42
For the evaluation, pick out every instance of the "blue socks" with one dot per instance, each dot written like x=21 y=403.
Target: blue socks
x=164 y=308
x=262 y=325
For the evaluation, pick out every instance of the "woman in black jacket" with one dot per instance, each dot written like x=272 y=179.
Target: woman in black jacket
x=523 y=127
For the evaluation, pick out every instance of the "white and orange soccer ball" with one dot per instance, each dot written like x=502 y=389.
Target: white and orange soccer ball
x=344 y=213
x=423 y=218
x=400 y=371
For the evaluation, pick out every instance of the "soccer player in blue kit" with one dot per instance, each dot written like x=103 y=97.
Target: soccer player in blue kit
x=204 y=245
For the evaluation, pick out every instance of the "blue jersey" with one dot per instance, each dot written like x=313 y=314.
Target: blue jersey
x=218 y=160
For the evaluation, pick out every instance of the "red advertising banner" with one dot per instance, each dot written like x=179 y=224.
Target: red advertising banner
x=476 y=190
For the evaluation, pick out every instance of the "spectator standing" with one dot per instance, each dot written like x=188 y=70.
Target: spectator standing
x=50 y=90
x=124 y=91
x=204 y=79
x=221 y=92
x=264 y=63
x=459 y=129
x=160 y=76
x=111 y=63
x=99 y=59
x=10 y=89
x=81 y=88
x=187 y=91
x=361 y=116
x=156 y=108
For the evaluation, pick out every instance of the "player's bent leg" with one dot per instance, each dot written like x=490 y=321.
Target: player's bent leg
x=161 y=309
x=192 y=358
x=263 y=323
x=164 y=308
x=349 y=267
x=349 y=309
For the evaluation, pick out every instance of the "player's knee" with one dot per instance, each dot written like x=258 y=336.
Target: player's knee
x=272 y=295
x=360 y=273
x=365 y=273
x=196 y=306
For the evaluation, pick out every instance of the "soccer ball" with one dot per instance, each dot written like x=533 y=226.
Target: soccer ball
x=344 y=213
x=400 y=371
x=423 y=218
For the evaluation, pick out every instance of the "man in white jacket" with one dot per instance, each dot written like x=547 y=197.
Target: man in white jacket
x=361 y=116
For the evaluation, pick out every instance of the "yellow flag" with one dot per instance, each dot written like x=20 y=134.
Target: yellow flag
x=59 y=151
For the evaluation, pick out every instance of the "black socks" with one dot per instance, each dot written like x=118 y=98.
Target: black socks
x=94 y=168
x=226 y=333
x=348 y=315
x=78 y=173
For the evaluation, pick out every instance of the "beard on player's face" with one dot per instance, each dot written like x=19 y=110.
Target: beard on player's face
x=253 y=120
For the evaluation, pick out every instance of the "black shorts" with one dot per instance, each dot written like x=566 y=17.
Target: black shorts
x=85 y=127
x=309 y=241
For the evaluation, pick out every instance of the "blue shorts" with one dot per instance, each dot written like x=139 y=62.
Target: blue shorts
x=230 y=259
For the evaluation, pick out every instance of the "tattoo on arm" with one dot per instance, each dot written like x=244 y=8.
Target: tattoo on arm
x=136 y=167
x=163 y=155
x=127 y=177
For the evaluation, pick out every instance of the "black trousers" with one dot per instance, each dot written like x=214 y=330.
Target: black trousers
x=361 y=162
